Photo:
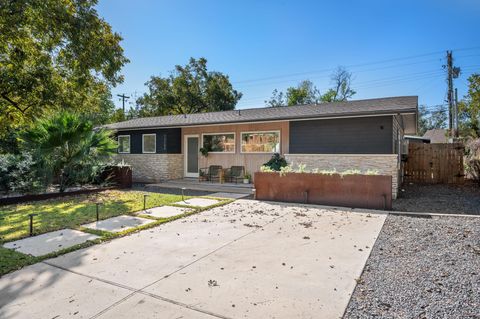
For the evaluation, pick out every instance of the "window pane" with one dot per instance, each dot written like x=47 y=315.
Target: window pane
x=124 y=144
x=219 y=142
x=149 y=144
x=261 y=142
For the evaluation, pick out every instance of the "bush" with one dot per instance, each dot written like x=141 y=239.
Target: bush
x=69 y=148
x=472 y=159
x=17 y=174
x=276 y=162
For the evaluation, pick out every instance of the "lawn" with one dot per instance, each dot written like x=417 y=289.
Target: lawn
x=71 y=212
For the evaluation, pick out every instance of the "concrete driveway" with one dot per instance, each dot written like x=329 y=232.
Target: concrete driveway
x=248 y=259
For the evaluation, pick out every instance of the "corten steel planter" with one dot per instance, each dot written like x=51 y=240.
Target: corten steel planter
x=356 y=191
x=120 y=176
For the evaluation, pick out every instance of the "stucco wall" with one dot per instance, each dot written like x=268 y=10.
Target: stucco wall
x=385 y=164
x=153 y=167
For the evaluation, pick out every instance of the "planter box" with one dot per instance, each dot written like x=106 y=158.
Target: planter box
x=120 y=176
x=356 y=191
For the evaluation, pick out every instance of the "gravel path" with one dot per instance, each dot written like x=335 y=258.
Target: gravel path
x=421 y=268
x=447 y=199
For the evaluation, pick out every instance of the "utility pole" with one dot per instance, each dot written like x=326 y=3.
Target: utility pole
x=452 y=73
x=124 y=98
x=456 y=113
x=450 y=91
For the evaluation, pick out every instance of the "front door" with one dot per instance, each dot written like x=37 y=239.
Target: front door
x=191 y=155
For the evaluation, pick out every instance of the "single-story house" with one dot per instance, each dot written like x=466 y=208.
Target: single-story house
x=361 y=134
x=436 y=136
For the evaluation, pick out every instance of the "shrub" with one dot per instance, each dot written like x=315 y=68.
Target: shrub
x=17 y=174
x=276 y=162
x=70 y=148
x=472 y=159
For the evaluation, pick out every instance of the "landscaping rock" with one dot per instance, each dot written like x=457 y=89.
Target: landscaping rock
x=421 y=268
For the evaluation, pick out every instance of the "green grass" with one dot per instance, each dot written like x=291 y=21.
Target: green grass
x=72 y=212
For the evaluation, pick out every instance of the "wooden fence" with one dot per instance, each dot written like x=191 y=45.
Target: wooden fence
x=434 y=163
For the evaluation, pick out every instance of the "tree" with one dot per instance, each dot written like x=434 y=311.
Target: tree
x=188 y=89
x=68 y=148
x=276 y=100
x=342 y=91
x=469 y=109
x=431 y=119
x=306 y=92
x=54 y=55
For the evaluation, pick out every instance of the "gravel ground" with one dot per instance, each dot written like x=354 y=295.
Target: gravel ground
x=447 y=199
x=421 y=268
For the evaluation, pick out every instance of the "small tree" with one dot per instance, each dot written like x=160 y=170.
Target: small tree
x=69 y=148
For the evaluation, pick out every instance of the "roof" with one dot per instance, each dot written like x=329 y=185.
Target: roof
x=388 y=105
x=438 y=135
x=417 y=138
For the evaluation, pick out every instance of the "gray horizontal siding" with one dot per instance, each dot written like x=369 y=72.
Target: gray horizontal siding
x=169 y=141
x=363 y=135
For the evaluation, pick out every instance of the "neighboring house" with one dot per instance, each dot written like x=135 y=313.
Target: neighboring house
x=438 y=135
x=416 y=139
x=362 y=134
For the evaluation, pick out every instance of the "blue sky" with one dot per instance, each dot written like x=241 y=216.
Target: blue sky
x=391 y=47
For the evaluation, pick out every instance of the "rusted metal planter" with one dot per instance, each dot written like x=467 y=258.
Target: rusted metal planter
x=356 y=191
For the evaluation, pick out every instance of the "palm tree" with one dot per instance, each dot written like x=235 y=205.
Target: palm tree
x=68 y=148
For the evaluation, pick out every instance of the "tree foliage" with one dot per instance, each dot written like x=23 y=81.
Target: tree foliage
x=188 y=89
x=55 y=55
x=307 y=93
x=431 y=119
x=304 y=93
x=469 y=109
x=68 y=148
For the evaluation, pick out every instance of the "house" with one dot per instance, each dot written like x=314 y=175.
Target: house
x=416 y=139
x=361 y=134
x=438 y=135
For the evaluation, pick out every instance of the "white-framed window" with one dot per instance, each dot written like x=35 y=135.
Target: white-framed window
x=260 y=142
x=124 y=144
x=149 y=143
x=219 y=142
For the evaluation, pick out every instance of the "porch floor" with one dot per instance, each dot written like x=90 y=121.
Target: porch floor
x=194 y=184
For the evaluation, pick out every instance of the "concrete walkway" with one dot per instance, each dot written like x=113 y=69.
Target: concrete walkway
x=248 y=259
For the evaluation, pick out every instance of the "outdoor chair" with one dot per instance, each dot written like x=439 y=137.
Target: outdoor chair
x=212 y=173
x=235 y=174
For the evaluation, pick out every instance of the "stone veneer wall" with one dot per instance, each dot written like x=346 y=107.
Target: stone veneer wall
x=385 y=164
x=153 y=167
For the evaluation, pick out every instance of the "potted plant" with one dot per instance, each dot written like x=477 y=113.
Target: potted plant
x=204 y=151
x=246 y=178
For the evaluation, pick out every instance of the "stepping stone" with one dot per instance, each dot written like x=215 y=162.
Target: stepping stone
x=197 y=201
x=118 y=223
x=229 y=195
x=50 y=242
x=166 y=211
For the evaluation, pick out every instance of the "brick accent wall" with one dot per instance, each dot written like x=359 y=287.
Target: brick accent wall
x=385 y=164
x=147 y=168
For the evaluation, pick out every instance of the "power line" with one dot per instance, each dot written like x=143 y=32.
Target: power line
x=350 y=66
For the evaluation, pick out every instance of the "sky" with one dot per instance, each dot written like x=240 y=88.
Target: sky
x=392 y=48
